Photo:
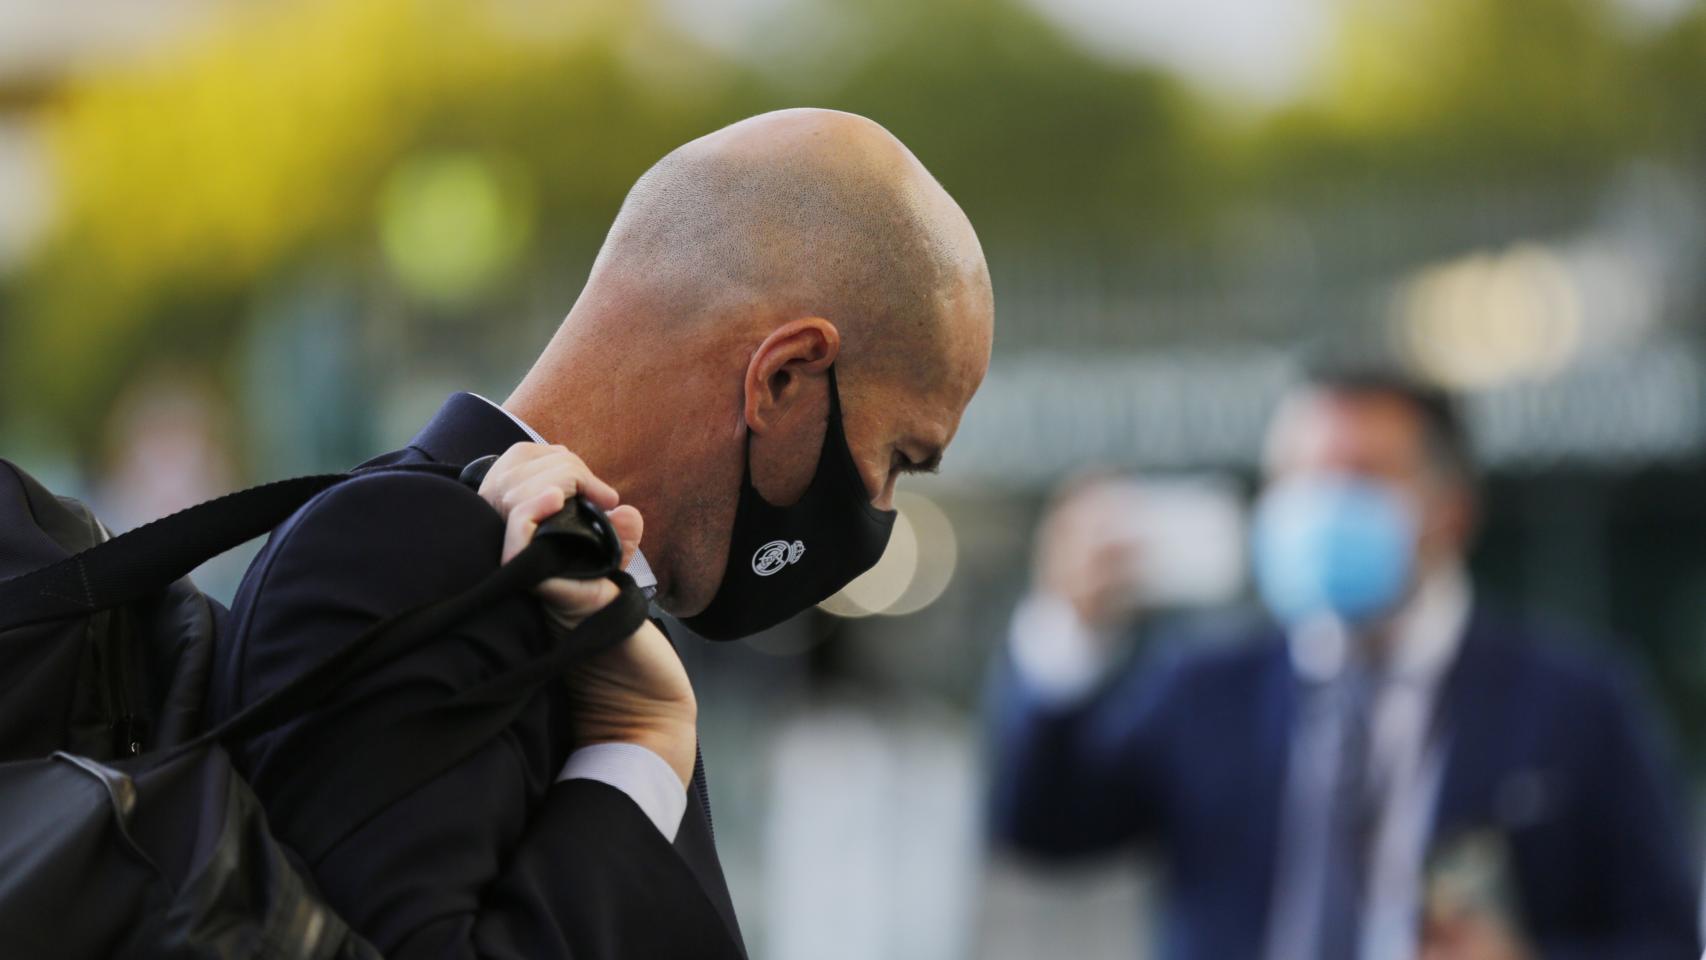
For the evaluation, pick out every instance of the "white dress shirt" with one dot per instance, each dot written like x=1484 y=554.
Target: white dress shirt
x=1404 y=754
x=644 y=776
x=1062 y=661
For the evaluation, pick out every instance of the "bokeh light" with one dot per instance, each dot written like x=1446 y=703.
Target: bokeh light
x=913 y=572
x=1488 y=319
x=453 y=224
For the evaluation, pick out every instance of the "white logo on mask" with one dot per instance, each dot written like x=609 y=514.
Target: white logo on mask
x=775 y=555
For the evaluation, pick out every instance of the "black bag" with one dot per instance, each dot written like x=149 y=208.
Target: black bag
x=125 y=831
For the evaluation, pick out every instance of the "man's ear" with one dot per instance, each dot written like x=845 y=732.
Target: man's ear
x=780 y=375
x=1466 y=514
x=1458 y=515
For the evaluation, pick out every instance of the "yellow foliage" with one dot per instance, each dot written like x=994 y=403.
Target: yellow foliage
x=216 y=161
x=186 y=178
x=1534 y=72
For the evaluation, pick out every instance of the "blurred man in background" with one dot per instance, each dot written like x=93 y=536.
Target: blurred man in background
x=1396 y=771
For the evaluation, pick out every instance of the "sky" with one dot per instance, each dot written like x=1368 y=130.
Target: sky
x=1264 y=51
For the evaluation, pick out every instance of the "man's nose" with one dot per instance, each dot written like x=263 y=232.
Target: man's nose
x=885 y=499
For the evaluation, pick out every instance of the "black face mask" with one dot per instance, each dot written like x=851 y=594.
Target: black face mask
x=785 y=559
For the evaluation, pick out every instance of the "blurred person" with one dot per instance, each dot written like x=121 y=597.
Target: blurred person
x=1397 y=770
x=787 y=315
x=167 y=450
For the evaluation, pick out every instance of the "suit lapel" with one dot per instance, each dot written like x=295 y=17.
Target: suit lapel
x=1472 y=711
x=1276 y=721
x=696 y=847
x=696 y=842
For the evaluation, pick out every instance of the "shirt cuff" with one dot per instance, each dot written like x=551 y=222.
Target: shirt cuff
x=1056 y=655
x=641 y=774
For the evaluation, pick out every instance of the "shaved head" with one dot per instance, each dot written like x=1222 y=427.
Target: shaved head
x=801 y=212
x=742 y=268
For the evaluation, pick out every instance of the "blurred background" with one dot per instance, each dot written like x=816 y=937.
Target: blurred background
x=245 y=240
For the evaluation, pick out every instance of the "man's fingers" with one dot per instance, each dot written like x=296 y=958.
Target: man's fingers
x=629 y=526
x=540 y=459
x=557 y=479
x=518 y=453
x=530 y=482
x=525 y=518
x=559 y=459
x=583 y=596
x=514 y=496
x=557 y=469
x=518 y=457
x=500 y=483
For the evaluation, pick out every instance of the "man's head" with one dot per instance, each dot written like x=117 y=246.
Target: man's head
x=741 y=267
x=1374 y=439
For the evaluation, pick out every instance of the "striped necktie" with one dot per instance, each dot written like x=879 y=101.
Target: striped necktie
x=1327 y=824
x=1351 y=823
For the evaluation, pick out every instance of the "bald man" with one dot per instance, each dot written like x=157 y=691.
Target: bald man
x=788 y=314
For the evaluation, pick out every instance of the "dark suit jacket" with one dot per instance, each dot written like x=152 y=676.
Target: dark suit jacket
x=493 y=858
x=1192 y=756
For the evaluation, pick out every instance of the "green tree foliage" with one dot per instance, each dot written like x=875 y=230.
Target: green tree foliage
x=189 y=181
x=1456 y=92
x=1035 y=138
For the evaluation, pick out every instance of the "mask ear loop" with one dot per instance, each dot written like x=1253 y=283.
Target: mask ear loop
x=835 y=442
x=833 y=431
x=834 y=395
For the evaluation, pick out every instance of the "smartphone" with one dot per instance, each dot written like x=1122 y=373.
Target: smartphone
x=1190 y=534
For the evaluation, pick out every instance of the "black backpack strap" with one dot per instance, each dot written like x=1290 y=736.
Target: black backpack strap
x=576 y=543
x=149 y=558
x=545 y=557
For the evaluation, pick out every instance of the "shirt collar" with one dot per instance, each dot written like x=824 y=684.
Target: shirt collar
x=1426 y=633
x=1430 y=628
x=637 y=568
x=531 y=433
x=466 y=428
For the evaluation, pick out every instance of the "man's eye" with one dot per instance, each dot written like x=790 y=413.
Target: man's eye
x=905 y=464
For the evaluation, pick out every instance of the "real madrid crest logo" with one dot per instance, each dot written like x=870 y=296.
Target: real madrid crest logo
x=775 y=555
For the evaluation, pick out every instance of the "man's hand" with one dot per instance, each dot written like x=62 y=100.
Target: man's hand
x=1087 y=557
x=637 y=692
x=1465 y=934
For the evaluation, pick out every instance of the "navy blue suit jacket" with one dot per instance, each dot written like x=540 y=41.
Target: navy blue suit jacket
x=493 y=858
x=1191 y=756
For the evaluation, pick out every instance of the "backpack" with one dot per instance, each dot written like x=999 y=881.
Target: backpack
x=125 y=830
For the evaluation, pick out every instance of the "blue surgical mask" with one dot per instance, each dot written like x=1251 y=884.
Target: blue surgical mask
x=1339 y=546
